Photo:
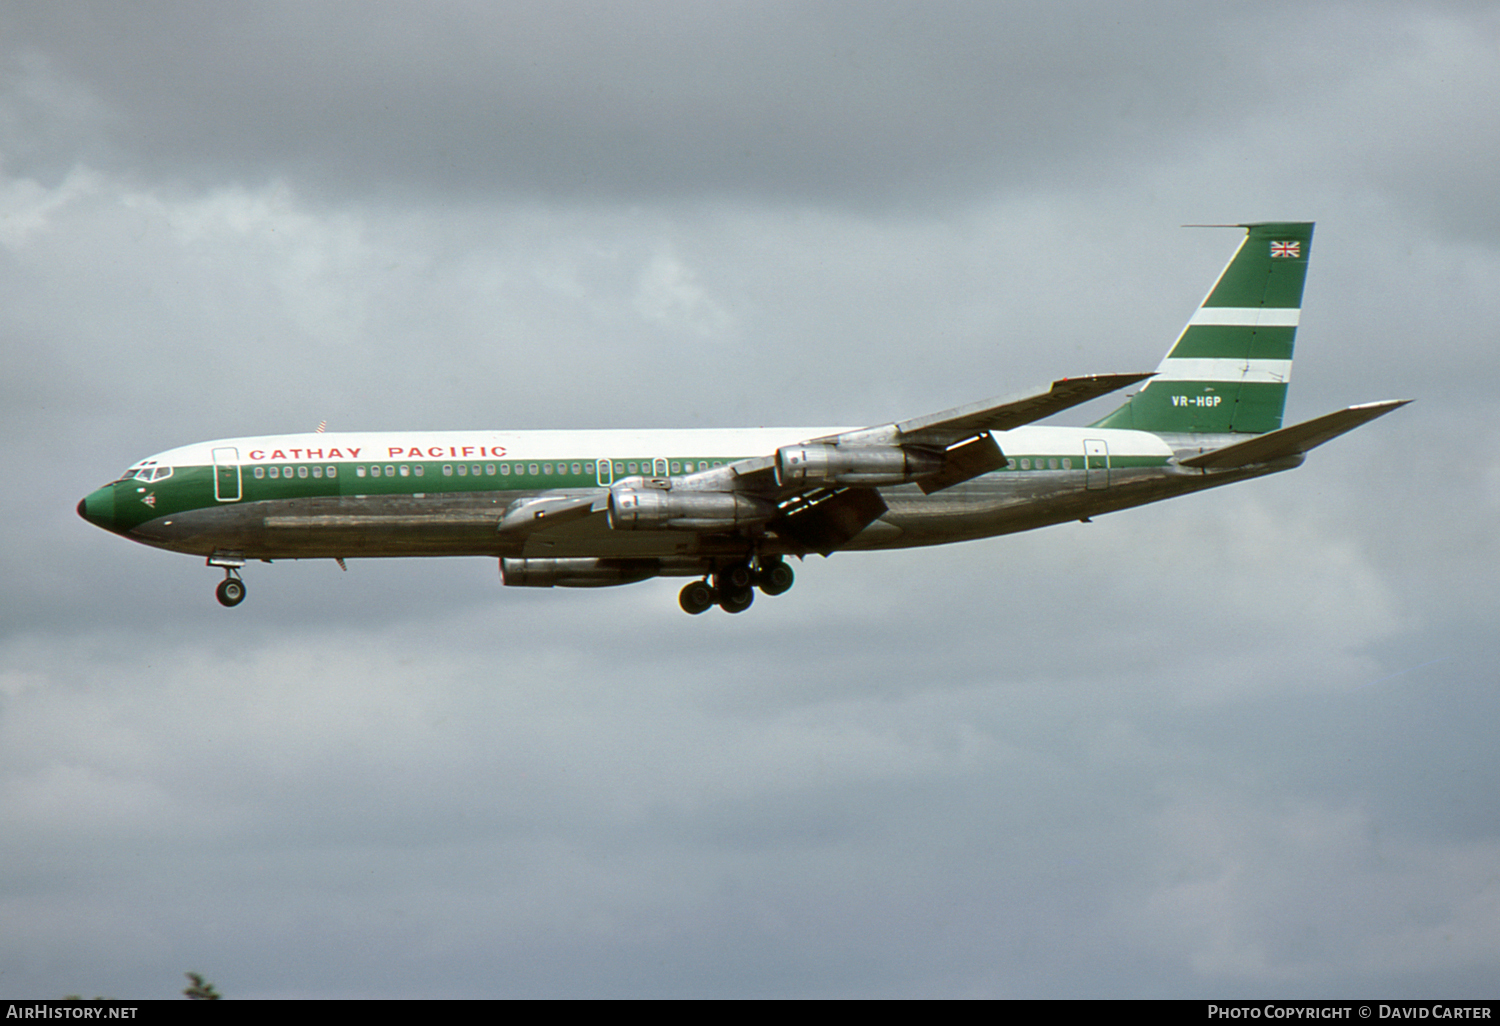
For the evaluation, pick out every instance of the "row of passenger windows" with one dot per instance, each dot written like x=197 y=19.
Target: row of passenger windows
x=621 y=468
x=279 y=471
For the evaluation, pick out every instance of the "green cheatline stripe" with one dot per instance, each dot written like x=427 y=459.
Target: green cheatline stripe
x=1238 y=342
x=1116 y=462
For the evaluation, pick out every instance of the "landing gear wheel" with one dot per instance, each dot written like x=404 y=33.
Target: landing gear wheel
x=737 y=600
x=696 y=597
x=735 y=577
x=775 y=578
x=231 y=591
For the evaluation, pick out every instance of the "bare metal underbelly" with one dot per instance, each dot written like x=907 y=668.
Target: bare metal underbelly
x=339 y=526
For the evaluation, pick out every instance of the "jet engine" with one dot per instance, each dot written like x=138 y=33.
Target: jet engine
x=863 y=465
x=652 y=509
x=575 y=573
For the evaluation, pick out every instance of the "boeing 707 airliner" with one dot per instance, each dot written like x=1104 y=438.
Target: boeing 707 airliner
x=726 y=508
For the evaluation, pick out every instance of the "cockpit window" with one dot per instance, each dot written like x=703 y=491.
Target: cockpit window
x=150 y=472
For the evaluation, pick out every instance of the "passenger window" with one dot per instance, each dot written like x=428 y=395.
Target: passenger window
x=333 y=471
x=302 y=471
x=405 y=470
x=489 y=470
x=358 y=471
x=417 y=470
x=317 y=471
x=505 y=470
x=463 y=470
x=531 y=469
x=390 y=471
x=547 y=468
x=260 y=471
x=447 y=470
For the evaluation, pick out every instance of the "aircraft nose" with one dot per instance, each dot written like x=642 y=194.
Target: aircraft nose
x=98 y=508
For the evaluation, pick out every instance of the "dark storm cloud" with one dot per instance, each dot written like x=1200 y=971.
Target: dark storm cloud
x=620 y=99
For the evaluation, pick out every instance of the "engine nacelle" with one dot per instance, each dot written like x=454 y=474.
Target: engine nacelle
x=867 y=465
x=575 y=573
x=652 y=509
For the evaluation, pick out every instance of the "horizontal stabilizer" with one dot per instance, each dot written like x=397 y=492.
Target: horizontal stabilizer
x=1291 y=441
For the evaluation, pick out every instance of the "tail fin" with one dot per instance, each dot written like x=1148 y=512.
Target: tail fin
x=1228 y=371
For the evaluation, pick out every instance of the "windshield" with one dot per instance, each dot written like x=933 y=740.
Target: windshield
x=149 y=472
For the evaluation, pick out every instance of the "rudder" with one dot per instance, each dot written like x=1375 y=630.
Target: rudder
x=1229 y=369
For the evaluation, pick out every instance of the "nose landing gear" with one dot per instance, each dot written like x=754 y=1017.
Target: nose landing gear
x=231 y=590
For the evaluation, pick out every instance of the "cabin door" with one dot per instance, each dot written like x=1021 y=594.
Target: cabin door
x=227 y=475
x=1096 y=464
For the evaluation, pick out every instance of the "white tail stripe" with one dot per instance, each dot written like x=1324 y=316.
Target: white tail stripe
x=1248 y=316
x=1178 y=368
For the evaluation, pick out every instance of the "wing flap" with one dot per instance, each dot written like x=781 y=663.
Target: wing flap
x=827 y=524
x=1292 y=441
x=978 y=455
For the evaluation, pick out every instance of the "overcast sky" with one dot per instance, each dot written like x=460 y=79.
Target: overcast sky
x=1238 y=744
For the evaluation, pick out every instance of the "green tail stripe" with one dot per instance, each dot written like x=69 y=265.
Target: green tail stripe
x=1224 y=340
x=1229 y=373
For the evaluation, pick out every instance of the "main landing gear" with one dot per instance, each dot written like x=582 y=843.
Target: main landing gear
x=231 y=590
x=733 y=587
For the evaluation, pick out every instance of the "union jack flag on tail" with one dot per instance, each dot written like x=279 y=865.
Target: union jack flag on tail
x=1286 y=249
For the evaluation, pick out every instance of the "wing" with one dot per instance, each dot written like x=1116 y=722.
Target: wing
x=1011 y=411
x=824 y=488
x=957 y=439
x=819 y=493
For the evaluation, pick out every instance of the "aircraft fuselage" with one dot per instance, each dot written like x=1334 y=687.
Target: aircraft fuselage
x=444 y=493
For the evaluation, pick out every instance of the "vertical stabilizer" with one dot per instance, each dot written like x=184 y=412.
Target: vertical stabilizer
x=1230 y=367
